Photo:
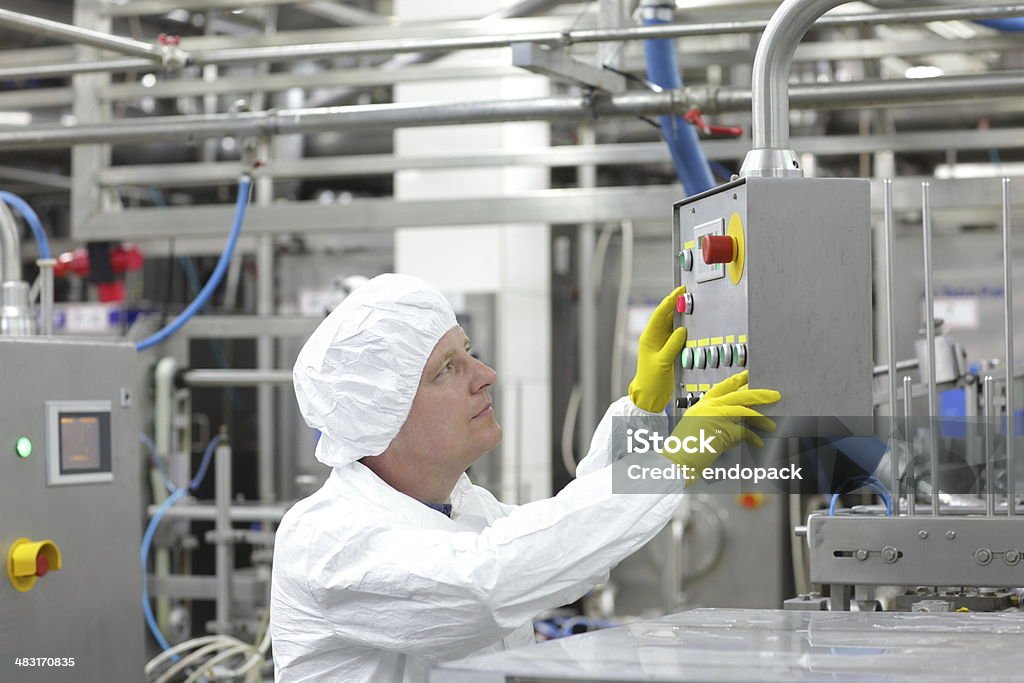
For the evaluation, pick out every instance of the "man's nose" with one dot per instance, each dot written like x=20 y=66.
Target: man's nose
x=483 y=376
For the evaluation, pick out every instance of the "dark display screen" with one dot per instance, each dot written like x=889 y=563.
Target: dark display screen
x=84 y=442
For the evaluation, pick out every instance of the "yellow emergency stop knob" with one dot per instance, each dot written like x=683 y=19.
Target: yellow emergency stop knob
x=28 y=560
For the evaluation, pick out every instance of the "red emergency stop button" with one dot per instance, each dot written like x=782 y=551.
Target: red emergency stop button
x=42 y=565
x=718 y=249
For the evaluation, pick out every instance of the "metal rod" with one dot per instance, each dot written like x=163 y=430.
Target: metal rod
x=890 y=229
x=929 y=329
x=569 y=108
x=224 y=555
x=204 y=512
x=1011 y=422
x=908 y=417
x=46 y=266
x=989 y=418
x=235 y=378
x=161 y=54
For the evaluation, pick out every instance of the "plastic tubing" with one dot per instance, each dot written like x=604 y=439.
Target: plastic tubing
x=663 y=70
x=16 y=202
x=244 y=189
x=147 y=540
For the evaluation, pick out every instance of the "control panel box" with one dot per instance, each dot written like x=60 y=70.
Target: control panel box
x=71 y=512
x=778 y=281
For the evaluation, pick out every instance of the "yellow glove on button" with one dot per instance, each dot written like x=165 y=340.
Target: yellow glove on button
x=653 y=384
x=718 y=415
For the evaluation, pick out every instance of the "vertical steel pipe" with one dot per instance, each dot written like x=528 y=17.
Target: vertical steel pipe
x=1011 y=422
x=890 y=228
x=929 y=329
x=989 y=419
x=588 y=334
x=224 y=556
x=908 y=417
x=46 y=266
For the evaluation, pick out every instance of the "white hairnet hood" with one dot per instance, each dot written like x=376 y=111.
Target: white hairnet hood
x=358 y=373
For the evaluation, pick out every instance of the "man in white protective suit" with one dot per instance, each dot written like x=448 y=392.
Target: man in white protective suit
x=398 y=562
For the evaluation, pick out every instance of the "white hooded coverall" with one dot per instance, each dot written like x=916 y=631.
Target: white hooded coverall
x=370 y=585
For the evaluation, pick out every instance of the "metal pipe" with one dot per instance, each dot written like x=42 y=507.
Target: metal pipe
x=565 y=38
x=709 y=99
x=989 y=415
x=202 y=512
x=908 y=364
x=235 y=378
x=929 y=329
x=771 y=155
x=224 y=552
x=10 y=246
x=1011 y=422
x=890 y=229
x=588 y=332
x=168 y=55
x=46 y=266
x=265 y=361
x=908 y=418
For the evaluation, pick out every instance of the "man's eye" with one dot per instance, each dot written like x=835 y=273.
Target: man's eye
x=446 y=369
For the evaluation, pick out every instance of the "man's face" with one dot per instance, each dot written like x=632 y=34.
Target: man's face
x=451 y=422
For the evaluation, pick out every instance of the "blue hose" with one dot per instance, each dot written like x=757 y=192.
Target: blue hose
x=157 y=463
x=32 y=219
x=244 y=188
x=147 y=538
x=687 y=156
x=1010 y=24
x=871 y=482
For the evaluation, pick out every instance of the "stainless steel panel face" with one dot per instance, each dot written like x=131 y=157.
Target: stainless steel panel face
x=800 y=314
x=90 y=609
x=915 y=551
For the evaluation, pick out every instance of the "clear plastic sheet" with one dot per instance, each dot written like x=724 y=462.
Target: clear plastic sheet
x=732 y=645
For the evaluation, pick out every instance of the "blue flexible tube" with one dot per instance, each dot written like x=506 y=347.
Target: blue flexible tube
x=204 y=464
x=244 y=188
x=1009 y=24
x=147 y=537
x=687 y=156
x=147 y=541
x=32 y=219
x=151 y=447
x=869 y=481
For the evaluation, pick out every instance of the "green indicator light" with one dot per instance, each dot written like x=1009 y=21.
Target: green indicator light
x=24 y=447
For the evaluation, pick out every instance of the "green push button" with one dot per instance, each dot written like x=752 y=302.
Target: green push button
x=23 y=447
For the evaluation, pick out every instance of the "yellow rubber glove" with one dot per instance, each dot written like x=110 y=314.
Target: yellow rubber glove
x=653 y=385
x=719 y=415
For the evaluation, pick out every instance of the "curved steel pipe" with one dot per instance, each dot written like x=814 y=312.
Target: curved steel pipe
x=771 y=155
x=10 y=246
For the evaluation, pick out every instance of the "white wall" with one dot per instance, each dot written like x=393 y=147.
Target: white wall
x=509 y=261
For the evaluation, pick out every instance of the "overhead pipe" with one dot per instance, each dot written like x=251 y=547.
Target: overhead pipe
x=771 y=155
x=709 y=99
x=565 y=38
x=165 y=54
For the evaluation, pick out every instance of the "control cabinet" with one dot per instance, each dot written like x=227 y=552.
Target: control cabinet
x=70 y=512
x=778 y=282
